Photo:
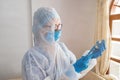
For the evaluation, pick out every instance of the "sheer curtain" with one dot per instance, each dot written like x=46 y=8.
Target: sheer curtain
x=102 y=31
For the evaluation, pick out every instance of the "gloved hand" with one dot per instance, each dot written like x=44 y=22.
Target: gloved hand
x=98 y=49
x=82 y=63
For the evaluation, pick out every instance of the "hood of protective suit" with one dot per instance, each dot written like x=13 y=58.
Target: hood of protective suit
x=43 y=26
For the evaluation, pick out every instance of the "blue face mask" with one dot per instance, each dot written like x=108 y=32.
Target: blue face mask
x=49 y=36
x=57 y=35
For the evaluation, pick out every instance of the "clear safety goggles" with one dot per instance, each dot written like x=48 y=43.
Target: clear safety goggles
x=58 y=27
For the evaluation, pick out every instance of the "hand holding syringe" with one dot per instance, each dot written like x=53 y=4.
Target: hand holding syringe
x=97 y=49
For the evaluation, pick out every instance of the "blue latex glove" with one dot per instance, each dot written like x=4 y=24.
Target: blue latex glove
x=82 y=63
x=98 y=49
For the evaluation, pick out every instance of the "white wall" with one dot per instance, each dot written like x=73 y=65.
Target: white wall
x=78 y=18
x=15 y=36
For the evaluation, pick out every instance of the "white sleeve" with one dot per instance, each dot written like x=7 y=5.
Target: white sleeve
x=47 y=78
x=69 y=54
x=71 y=73
x=75 y=76
x=92 y=64
x=30 y=71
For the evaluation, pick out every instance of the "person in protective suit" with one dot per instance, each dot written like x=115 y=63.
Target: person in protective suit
x=50 y=59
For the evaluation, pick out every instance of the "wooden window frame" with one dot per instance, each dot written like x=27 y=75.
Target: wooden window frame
x=114 y=17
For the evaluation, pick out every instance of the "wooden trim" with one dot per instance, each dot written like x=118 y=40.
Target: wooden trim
x=117 y=5
x=110 y=20
x=115 y=59
x=116 y=39
x=111 y=4
x=110 y=23
x=115 y=17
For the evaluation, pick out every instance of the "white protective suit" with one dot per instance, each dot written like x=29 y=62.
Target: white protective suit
x=49 y=59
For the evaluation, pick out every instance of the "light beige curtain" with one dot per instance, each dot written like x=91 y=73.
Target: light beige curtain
x=102 y=31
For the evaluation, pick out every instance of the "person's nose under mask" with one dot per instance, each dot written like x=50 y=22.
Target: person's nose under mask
x=49 y=36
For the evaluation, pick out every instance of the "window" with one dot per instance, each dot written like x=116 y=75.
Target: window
x=115 y=37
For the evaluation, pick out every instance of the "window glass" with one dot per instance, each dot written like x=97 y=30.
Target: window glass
x=116 y=9
x=116 y=28
x=115 y=69
x=115 y=49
